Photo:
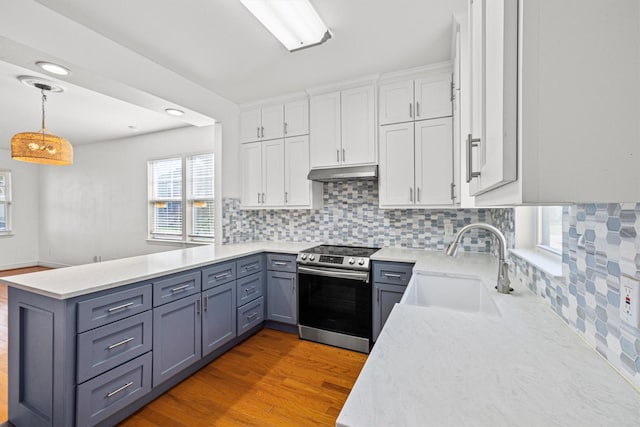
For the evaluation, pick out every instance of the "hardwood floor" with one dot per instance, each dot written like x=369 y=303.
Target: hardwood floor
x=4 y=412
x=272 y=379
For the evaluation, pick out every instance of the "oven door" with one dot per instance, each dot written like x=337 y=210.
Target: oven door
x=335 y=300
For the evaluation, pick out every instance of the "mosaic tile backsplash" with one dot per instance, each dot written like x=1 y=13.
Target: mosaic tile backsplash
x=351 y=216
x=600 y=247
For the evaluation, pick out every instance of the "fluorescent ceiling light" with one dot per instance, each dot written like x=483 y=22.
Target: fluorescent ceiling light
x=294 y=22
x=53 y=68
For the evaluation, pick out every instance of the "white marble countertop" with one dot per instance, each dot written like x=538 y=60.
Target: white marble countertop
x=437 y=367
x=70 y=282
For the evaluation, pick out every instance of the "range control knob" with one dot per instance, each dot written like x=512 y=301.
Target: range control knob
x=303 y=257
x=352 y=261
x=361 y=261
x=312 y=257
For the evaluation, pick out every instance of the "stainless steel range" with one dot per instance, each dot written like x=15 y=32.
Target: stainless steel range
x=335 y=296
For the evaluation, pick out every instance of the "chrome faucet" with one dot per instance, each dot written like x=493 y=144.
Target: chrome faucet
x=503 y=268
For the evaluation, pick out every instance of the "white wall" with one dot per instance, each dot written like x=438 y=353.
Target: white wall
x=21 y=249
x=98 y=206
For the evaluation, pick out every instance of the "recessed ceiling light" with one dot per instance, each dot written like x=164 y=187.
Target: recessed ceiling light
x=34 y=81
x=174 y=112
x=53 y=68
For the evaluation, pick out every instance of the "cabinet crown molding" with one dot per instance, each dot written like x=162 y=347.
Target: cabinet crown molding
x=280 y=99
x=416 y=72
x=370 y=79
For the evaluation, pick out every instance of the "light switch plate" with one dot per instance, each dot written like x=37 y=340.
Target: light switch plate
x=630 y=301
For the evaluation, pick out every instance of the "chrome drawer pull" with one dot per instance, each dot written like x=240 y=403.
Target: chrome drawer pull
x=252 y=315
x=118 y=390
x=250 y=290
x=206 y=303
x=222 y=276
x=280 y=263
x=251 y=267
x=393 y=276
x=119 y=307
x=118 y=344
x=180 y=288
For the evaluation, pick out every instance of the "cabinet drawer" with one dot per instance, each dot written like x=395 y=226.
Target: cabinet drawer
x=396 y=273
x=249 y=265
x=175 y=287
x=218 y=275
x=112 y=391
x=280 y=262
x=250 y=315
x=99 y=311
x=109 y=346
x=249 y=288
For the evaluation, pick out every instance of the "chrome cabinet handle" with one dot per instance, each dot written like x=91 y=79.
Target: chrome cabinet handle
x=258 y=132
x=286 y=197
x=119 y=307
x=418 y=193
x=206 y=303
x=453 y=191
x=198 y=306
x=417 y=109
x=118 y=390
x=411 y=194
x=378 y=296
x=262 y=129
x=118 y=344
x=252 y=315
x=179 y=288
x=392 y=275
x=285 y=128
x=280 y=263
x=338 y=155
x=410 y=110
x=222 y=276
x=258 y=198
x=251 y=267
x=263 y=198
x=344 y=155
x=250 y=290
x=471 y=143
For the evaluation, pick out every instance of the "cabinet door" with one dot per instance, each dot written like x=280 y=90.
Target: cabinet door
x=250 y=125
x=434 y=161
x=296 y=118
x=494 y=92
x=282 y=297
x=433 y=96
x=251 y=158
x=296 y=168
x=396 y=102
x=272 y=122
x=218 y=317
x=324 y=146
x=273 y=172
x=396 y=180
x=177 y=337
x=384 y=298
x=358 y=126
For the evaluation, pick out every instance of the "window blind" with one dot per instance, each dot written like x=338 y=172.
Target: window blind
x=166 y=200
x=5 y=199
x=201 y=196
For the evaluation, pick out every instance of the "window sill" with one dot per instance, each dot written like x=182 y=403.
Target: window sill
x=178 y=243
x=547 y=262
x=6 y=234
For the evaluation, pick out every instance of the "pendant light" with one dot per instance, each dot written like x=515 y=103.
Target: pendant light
x=41 y=147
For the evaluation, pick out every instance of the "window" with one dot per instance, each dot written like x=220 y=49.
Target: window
x=549 y=228
x=181 y=203
x=5 y=202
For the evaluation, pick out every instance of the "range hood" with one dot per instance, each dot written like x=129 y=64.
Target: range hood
x=344 y=173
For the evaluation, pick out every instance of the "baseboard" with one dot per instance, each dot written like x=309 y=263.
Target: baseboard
x=50 y=264
x=19 y=265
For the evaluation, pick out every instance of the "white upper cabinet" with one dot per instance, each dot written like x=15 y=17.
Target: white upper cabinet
x=272 y=126
x=251 y=160
x=325 y=130
x=297 y=189
x=416 y=164
x=428 y=97
x=296 y=118
x=343 y=128
x=273 y=173
x=555 y=108
x=358 y=126
x=492 y=143
x=250 y=123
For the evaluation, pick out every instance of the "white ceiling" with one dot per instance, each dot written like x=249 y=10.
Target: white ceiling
x=215 y=46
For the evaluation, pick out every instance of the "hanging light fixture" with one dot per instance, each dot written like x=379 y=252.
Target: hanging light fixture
x=41 y=147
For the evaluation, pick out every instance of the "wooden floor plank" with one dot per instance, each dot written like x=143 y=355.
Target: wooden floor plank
x=273 y=379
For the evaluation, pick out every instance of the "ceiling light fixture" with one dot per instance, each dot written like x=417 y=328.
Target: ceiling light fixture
x=294 y=22
x=53 y=68
x=174 y=112
x=41 y=147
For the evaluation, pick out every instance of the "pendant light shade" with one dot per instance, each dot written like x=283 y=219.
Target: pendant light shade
x=41 y=147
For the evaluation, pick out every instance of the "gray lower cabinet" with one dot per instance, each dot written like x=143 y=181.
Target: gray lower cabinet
x=390 y=280
x=219 y=317
x=177 y=337
x=281 y=297
x=250 y=315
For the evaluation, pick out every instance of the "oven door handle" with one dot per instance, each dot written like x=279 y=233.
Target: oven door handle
x=355 y=275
